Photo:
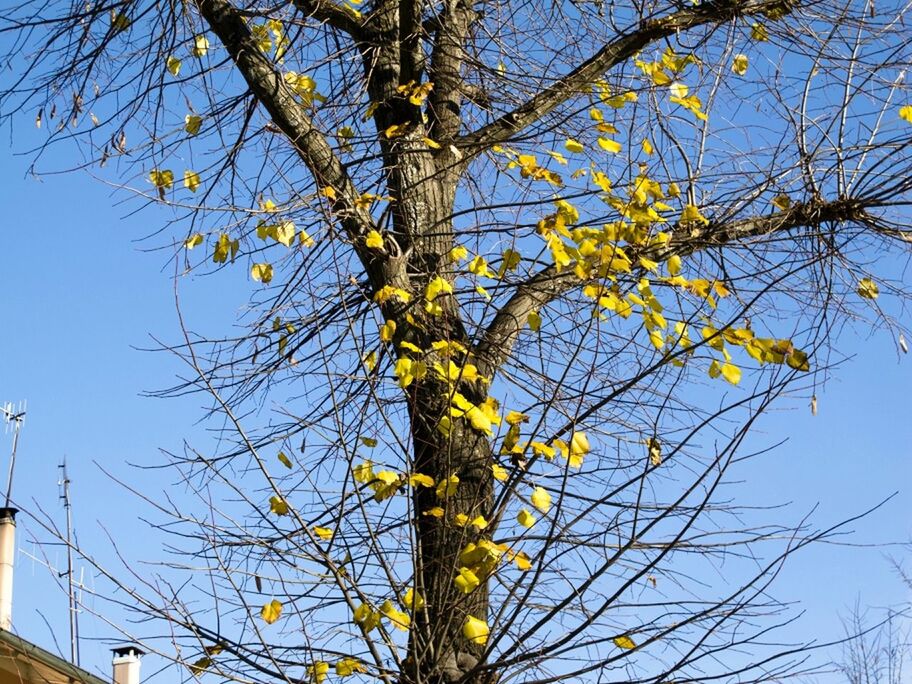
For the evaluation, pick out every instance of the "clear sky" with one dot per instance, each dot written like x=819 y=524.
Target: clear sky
x=82 y=298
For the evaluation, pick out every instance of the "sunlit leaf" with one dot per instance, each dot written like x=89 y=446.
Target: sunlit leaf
x=624 y=642
x=271 y=612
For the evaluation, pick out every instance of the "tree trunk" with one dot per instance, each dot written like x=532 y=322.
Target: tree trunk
x=438 y=650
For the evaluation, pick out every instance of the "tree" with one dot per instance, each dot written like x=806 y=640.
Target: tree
x=524 y=276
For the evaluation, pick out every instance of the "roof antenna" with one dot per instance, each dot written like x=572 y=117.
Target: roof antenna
x=64 y=484
x=13 y=419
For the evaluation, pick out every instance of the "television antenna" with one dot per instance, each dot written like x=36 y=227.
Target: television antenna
x=13 y=417
x=64 y=484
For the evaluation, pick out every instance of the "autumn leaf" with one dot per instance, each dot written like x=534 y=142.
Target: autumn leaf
x=541 y=499
x=323 y=533
x=739 y=64
x=624 y=642
x=200 y=46
x=192 y=123
x=475 y=630
x=262 y=273
x=193 y=241
x=525 y=518
x=905 y=113
x=284 y=460
x=868 y=289
x=191 y=180
x=173 y=64
x=271 y=611
x=572 y=145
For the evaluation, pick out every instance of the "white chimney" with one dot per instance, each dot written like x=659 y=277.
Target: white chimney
x=126 y=665
x=7 y=563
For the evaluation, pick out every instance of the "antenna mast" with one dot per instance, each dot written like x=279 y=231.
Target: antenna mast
x=13 y=419
x=71 y=589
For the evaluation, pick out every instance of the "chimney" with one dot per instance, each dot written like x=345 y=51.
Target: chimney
x=7 y=563
x=126 y=664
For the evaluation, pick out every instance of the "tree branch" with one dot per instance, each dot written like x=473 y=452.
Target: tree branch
x=330 y=13
x=548 y=284
x=621 y=48
x=270 y=90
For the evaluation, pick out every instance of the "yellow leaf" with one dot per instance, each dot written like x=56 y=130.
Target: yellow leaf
x=420 y=480
x=534 y=321
x=798 y=360
x=500 y=473
x=173 y=65
x=349 y=666
x=435 y=512
x=573 y=145
x=541 y=499
x=609 y=145
x=905 y=113
x=369 y=442
x=200 y=46
x=731 y=373
x=395 y=130
x=739 y=64
x=284 y=460
x=323 y=533
x=367 y=618
x=271 y=612
x=317 y=671
x=399 y=619
x=437 y=286
x=305 y=239
x=868 y=289
x=466 y=581
x=261 y=273
x=475 y=630
x=447 y=487
x=674 y=190
x=782 y=202
x=624 y=642
x=525 y=518
x=647 y=146
x=433 y=144
x=278 y=505
x=192 y=123
x=674 y=265
x=373 y=240
x=759 y=32
x=191 y=180
x=387 y=330
x=413 y=600
x=692 y=214
x=370 y=361
x=458 y=253
x=284 y=233
x=193 y=240
x=522 y=561
x=163 y=180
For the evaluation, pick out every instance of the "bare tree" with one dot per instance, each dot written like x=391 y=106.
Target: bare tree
x=875 y=654
x=524 y=277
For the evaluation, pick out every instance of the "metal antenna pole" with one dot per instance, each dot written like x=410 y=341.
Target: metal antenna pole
x=15 y=418
x=71 y=590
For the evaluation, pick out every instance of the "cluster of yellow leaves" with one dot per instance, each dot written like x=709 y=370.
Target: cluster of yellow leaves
x=304 y=87
x=482 y=417
x=479 y=560
x=415 y=92
x=269 y=35
x=529 y=167
x=163 y=179
x=386 y=483
x=764 y=350
x=368 y=617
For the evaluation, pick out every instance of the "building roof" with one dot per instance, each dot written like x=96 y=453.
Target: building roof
x=22 y=662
